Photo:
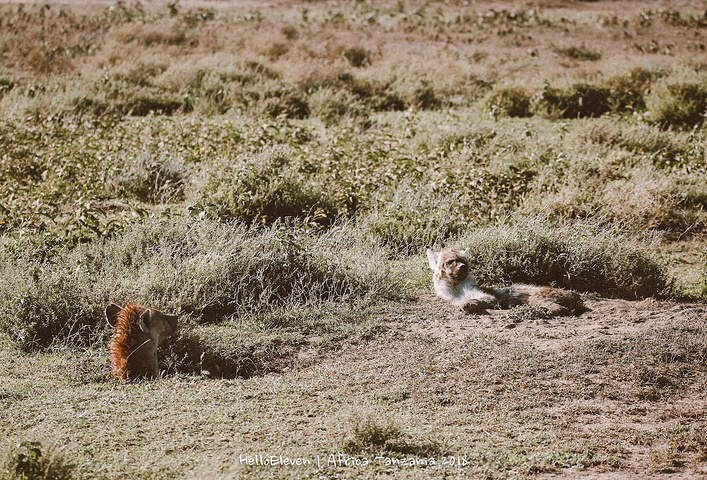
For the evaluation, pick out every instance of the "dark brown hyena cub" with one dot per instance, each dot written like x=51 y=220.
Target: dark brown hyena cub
x=138 y=332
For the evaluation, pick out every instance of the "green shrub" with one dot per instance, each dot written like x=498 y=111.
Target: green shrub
x=372 y=433
x=509 y=101
x=330 y=104
x=357 y=56
x=579 y=100
x=409 y=218
x=209 y=93
x=679 y=100
x=266 y=188
x=152 y=179
x=50 y=296
x=376 y=95
x=628 y=91
x=284 y=102
x=242 y=84
x=46 y=300
x=418 y=93
x=582 y=256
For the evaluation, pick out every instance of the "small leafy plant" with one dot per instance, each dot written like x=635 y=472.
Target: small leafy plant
x=28 y=462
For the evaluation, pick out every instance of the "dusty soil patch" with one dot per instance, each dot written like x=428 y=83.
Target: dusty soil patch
x=618 y=392
x=606 y=318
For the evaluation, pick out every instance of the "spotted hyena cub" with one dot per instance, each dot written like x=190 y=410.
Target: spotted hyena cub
x=138 y=332
x=454 y=283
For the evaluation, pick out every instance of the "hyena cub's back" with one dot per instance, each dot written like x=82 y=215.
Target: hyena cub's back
x=138 y=332
x=555 y=300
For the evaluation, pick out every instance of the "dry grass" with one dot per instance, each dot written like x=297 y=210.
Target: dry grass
x=135 y=138
x=404 y=45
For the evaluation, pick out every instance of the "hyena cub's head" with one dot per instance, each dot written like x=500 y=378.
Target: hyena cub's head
x=152 y=322
x=449 y=264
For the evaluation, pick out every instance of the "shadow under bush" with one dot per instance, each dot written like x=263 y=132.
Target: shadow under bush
x=579 y=100
x=221 y=352
x=260 y=343
x=581 y=256
x=122 y=100
x=509 y=101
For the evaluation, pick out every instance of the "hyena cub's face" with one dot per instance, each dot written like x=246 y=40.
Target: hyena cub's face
x=450 y=263
x=155 y=323
x=158 y=324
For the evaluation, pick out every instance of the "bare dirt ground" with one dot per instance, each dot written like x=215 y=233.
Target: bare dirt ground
x=616 y=393
x=606 y=318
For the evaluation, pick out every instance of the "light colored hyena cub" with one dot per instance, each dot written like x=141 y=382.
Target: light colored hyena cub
x=138 y=332
x=454 y=283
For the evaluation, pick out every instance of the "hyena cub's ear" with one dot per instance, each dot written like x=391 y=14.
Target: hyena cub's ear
x=146 y=320
x=432 y=258
x=465 y=254
x=111 y=313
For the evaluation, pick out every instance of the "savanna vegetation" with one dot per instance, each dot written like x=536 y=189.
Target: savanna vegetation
x=273 y=173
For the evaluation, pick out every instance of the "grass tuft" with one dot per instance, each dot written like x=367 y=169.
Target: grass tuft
x=155 y=180
x=524 y=313
x=380 y=435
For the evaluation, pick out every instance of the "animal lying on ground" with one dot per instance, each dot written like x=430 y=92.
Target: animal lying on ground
x=454 y=283
x=138 y=332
